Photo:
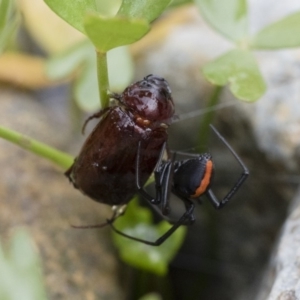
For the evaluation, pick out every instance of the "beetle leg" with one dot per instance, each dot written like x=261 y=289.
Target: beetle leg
x=94 y=116
x=118 y=211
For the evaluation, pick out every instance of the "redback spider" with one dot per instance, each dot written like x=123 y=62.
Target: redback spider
x=188 y=179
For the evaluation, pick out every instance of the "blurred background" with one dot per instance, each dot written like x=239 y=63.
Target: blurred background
x=47 y=88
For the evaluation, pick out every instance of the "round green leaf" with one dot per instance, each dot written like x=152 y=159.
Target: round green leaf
x=73 y=11
x=282 y=34
x=20 y=270
x=119 y=59
x=86 y=90
x=229 y=17
x=6 y=11
x=107 y=33
x=180 y=2
x=240 y=70
x=66 y=62
x=151 y=296
x=143 y=9
x=137 y=222
x=9 y=21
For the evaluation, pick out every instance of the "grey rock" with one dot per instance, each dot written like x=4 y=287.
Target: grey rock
x=77 y=264
x=282 y=279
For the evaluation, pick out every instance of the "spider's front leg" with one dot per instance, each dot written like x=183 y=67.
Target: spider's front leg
x=245 y=173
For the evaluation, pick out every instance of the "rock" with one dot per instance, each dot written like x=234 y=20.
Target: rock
x=77 y=264
x=281 y=281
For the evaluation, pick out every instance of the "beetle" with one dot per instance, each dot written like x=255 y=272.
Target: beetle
x=105 y=169
x=129 y=143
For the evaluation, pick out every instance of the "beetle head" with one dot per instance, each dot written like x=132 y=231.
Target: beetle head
x=150 y=101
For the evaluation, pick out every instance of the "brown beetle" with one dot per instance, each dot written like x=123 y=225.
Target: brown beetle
x=105 y=169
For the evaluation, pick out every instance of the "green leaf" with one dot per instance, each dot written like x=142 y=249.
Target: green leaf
x=86 y=90
x=240 y=70
x=73 y=11
x=108 y=7
x=151 y=296
x=20 y=270
x=143 y=9
x=229 y=17
x=8 y=22
x=108 y=33
x=81 y=57
x=175 y=3
x=120 y=59
x=5 y=7
x=282 y=34
x=137 y=222
x=66 y=62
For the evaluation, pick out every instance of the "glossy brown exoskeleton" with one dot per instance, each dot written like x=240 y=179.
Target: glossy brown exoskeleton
x=105 y=169
x=128 y=144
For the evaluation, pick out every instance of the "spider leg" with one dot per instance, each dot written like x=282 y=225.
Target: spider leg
x=163 y=179
x=186 y=200
x=163 y=182
x=158 y=178
x=189 y=211
x=188 y=154
x=219 y=204
x=163 y=174
x=210 y=194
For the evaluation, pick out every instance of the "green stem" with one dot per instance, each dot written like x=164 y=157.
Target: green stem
x=208 y=117
x=62 y=159
x=103 y=82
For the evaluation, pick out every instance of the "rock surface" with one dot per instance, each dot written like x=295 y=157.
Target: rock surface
x=77 y=264
x=282 y=280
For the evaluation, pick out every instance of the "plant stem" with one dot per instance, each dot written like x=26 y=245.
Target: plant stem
x=103 y=82
x=62 y=159
x=208 y=117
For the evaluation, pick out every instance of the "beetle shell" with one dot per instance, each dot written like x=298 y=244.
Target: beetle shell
x=105 y=169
